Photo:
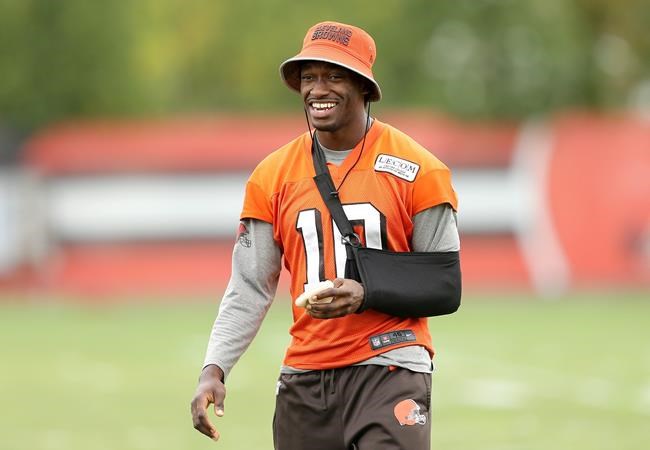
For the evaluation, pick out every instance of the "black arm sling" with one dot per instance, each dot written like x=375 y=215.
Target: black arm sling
x=402 y=284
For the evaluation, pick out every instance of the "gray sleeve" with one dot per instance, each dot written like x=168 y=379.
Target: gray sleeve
x=436 y=230
x=256 y=265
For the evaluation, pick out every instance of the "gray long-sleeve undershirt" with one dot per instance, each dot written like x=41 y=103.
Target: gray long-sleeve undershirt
x=256 y=266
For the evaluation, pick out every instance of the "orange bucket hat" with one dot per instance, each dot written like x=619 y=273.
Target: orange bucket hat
x=336 y=43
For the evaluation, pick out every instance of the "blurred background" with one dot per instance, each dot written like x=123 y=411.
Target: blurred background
x=128 y=130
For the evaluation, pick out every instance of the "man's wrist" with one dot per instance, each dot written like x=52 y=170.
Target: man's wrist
x=212 y=371
x=362 y=305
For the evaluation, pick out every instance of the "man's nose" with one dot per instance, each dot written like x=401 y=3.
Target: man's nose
x=320 y=86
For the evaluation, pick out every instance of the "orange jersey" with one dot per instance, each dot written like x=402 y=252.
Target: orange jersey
x=394 y=179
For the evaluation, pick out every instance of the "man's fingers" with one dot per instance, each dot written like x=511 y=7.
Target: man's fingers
x=203 y=425
x=340 y=290
x=200 y=418
x=345 y=301
x=331 y=292
x=328 y=311
x=219 y=395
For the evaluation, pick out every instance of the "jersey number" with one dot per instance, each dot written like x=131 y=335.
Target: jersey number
x=310 y=226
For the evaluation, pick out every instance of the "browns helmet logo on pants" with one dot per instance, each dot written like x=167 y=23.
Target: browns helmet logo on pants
x=407 y=412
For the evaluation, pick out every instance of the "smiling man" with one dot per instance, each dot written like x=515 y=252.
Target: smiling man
x=357 y=371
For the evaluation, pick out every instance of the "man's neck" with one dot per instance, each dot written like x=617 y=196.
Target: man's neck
x=344 y=141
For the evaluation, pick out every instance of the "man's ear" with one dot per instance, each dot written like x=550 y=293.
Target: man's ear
x=366 y=88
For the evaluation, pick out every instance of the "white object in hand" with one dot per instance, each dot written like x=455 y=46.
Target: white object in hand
x=308 y=296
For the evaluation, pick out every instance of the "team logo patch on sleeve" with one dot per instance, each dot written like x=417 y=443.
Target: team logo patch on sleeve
x=401 y=168
x=243 y=236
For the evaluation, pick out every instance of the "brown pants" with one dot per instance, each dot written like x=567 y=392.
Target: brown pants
x=356 y=407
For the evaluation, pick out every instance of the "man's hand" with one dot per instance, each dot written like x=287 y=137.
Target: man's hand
x=210 y=390
x=348 y=296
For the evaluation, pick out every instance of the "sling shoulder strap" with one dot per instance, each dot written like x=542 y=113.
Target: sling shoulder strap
x=330 y=196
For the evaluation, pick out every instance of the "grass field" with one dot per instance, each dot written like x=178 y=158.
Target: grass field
x=515 y=374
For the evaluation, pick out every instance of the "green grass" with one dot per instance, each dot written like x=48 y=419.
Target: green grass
x=517 y=374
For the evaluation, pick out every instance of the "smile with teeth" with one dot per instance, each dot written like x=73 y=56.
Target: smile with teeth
x=323 y=106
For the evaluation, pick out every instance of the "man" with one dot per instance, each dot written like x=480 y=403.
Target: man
x=353 y=376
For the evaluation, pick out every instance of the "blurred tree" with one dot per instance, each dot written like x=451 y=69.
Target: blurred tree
x=496 y=58
x=471 y=58
x=65 y=59
x=619 y=49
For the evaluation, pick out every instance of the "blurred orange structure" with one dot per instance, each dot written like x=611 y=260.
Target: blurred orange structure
x=152 y=206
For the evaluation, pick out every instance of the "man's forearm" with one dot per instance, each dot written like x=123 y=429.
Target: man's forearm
x=256 y=266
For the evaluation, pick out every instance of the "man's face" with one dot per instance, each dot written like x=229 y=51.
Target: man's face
x=333 y=96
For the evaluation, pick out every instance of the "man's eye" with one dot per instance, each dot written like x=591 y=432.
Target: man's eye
x=305 y=77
